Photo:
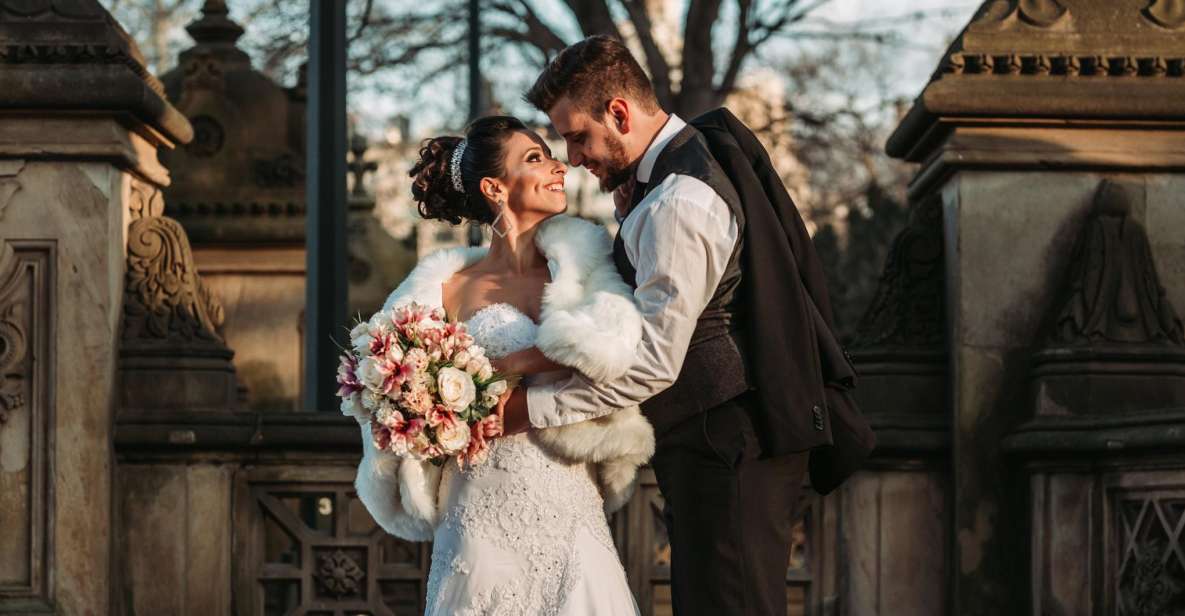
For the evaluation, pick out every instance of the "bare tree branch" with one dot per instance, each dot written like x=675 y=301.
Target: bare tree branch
x=537 y=33
x=660 y=70
x=363 y=21
x=594 y=17
x=695 y=91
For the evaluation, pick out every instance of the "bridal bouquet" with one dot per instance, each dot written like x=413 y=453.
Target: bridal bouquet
x=427 y=390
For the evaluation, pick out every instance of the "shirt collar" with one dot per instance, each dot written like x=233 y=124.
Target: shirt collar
x=669 y=130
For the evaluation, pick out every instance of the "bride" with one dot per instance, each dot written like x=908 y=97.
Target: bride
x=524 y=532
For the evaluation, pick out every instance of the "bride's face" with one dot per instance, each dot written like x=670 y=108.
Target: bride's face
x=534 y=179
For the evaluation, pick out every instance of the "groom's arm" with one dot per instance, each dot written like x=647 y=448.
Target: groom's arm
x=680 y=242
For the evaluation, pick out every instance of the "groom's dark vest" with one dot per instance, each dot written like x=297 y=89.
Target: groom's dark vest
x=714 y=369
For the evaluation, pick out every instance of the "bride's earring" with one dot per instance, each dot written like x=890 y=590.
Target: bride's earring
x=501 y=225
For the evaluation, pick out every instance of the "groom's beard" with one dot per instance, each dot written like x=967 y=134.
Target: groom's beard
x=618 y=169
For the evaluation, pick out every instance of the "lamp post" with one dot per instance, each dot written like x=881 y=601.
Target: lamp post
x=325 y=190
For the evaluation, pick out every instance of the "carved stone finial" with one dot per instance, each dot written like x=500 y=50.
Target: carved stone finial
x=215 y=25
x=1114 y=294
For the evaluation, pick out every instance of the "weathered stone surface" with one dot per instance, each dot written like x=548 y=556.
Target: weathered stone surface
x=893 y=529
x=172 y=356
x=1056 y=59
x=174 y=540
x=263 y=293
x=78 y=205
x=1063 y=521
x=74 y=56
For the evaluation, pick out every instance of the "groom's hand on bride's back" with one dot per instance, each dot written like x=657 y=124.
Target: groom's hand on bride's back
x=512 y=406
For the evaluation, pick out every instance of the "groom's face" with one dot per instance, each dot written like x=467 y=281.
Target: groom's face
x=593 y=144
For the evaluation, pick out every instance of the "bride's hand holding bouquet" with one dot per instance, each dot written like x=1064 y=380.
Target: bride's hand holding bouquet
x=427 y=390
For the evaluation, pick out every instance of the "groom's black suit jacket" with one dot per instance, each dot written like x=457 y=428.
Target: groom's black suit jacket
x=797 y=364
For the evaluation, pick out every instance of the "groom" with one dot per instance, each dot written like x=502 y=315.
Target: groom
x=728 y=373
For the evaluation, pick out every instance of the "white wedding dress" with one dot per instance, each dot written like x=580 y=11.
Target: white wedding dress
x=523 y=533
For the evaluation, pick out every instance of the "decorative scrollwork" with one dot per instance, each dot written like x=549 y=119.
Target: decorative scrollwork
x=164 y=297
x=1038 y=13
x=13 y=341
x=146 y=200
x=1166 y=13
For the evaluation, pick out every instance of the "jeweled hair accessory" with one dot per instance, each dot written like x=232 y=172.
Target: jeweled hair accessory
x=454 y=168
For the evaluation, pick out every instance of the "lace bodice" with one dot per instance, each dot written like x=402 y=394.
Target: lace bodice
x=501 y=329
x=506 y=544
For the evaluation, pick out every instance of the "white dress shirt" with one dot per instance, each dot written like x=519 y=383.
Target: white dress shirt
x=679 y=239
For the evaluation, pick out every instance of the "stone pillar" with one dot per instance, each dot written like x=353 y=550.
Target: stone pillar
x=894 y=519
x=1034 y=107
x=80 y=123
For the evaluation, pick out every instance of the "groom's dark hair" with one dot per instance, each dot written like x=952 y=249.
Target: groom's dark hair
x=590 y=73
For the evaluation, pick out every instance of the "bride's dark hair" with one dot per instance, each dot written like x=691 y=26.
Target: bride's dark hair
x=484 y=157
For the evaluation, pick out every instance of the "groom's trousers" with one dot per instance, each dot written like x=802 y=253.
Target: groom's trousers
x=728 y=514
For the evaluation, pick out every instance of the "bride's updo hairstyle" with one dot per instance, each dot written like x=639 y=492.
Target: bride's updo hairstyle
x=434 y=187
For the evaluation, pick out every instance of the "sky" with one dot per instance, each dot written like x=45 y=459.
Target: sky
x=912 y=61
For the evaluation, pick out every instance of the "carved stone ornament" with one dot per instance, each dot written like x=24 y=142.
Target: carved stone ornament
x=1166 y=13
x=1113 y=344
x=909 y=307
x=1150 y=576
x=1038 y=13
x=1114 y=294
x=339 y=575
x=12 y=336
x=165 y=299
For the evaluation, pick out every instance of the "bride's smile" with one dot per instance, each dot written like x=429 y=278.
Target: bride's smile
x=534 y=178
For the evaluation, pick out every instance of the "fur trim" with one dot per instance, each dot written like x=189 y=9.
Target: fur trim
x=419 y=484
x=377 y=485
x=588 y=321
x=619 y=443
x=423 y=284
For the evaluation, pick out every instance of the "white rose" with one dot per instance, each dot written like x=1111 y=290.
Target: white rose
x=489 y=400
x=455 y=388
x=497 y=388
x=453 y=436
x=368 y=373
x=486 y=371
x=360 y=337
x=461 y=359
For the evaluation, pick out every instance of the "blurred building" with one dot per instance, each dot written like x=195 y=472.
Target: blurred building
x=238 y=189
